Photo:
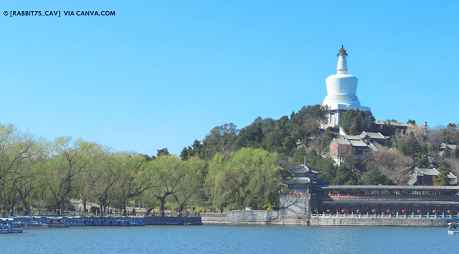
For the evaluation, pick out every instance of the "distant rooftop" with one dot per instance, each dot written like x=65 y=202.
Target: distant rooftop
x=393 y=123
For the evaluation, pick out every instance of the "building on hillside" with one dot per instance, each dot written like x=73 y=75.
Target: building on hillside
x=424 y=176
x=341 y=92
x=443 y=146
x=452 y=148
x=322 y=198
x=356 y=145
x=395 y=126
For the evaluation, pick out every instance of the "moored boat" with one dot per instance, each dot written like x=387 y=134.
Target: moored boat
x=453 y=228
x=7 y=226
x=56 y=222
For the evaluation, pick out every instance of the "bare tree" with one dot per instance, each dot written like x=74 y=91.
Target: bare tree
x=390 y=163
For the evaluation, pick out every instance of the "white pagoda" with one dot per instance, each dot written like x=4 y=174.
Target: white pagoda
x=341 y=91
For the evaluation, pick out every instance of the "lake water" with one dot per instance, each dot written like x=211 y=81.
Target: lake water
x=230 y=239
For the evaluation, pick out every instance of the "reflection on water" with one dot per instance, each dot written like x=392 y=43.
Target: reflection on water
x=234 y=239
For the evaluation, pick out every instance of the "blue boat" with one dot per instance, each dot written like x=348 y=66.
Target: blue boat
x=7 y=226
x=56 y=222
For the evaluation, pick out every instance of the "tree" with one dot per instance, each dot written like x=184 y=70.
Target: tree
x=248 y=177
x=19 y=153
x=390 y=163
x=442 y=178
x=184 y=154
x=168 y=176
x=220 y=139
x=299 y=156
x=135 y=177
x=191 y=186
x=162 y=152
x=413 y=122
x=71 y=158
x=347 y=174
x=355 y=128
x=447 y=152
x=104 y=177
x=327 y=165
x=375 y=177
x=356 y=121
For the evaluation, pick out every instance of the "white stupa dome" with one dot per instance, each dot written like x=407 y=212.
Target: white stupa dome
x=342 y=88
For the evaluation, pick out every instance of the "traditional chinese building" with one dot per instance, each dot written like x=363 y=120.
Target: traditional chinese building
x=309 y=194
x=424 y=176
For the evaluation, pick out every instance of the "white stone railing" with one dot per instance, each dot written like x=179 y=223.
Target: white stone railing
x=386 y=216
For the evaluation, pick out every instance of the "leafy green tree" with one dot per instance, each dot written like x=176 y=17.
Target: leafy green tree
x=184 y=154
x=299 y=156
x=347 y=174
x=220 y=139
x=191 y=185
x=135 y=177
x=375 y=177
x=20 y=153
x=248 y=177
x=72 y=157
x=355 y=121
x=442 y=178
x=162 y=152
x=355 y=128
x=288 y=144
x=327 y=165
x=167 y=176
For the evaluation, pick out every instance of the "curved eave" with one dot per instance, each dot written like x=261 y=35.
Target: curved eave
x=304 y=180
x=305 y=170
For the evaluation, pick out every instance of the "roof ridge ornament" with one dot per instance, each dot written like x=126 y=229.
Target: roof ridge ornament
x=342 y=51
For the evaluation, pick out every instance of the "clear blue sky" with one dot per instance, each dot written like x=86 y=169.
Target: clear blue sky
x=164 y=73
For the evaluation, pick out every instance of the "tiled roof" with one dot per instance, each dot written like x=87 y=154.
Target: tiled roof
x=304 y=180
x=452 y=147
x=427 y=171
x=303 y=169
x=413 y=179
x=342 y=141
x=352 y=137
x=391 y=123
x=358 y=143
x=373 y=135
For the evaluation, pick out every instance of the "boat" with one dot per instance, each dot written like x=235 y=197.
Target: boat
x=75 y=221
x=7 y=226
x=56 y=222
x=453 y=228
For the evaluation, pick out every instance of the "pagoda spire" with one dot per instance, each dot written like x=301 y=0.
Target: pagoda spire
x=342 y=63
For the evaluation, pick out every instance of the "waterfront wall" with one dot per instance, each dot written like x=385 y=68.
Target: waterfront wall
x=294 y=206
x=241 y=217
x=276 y=218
